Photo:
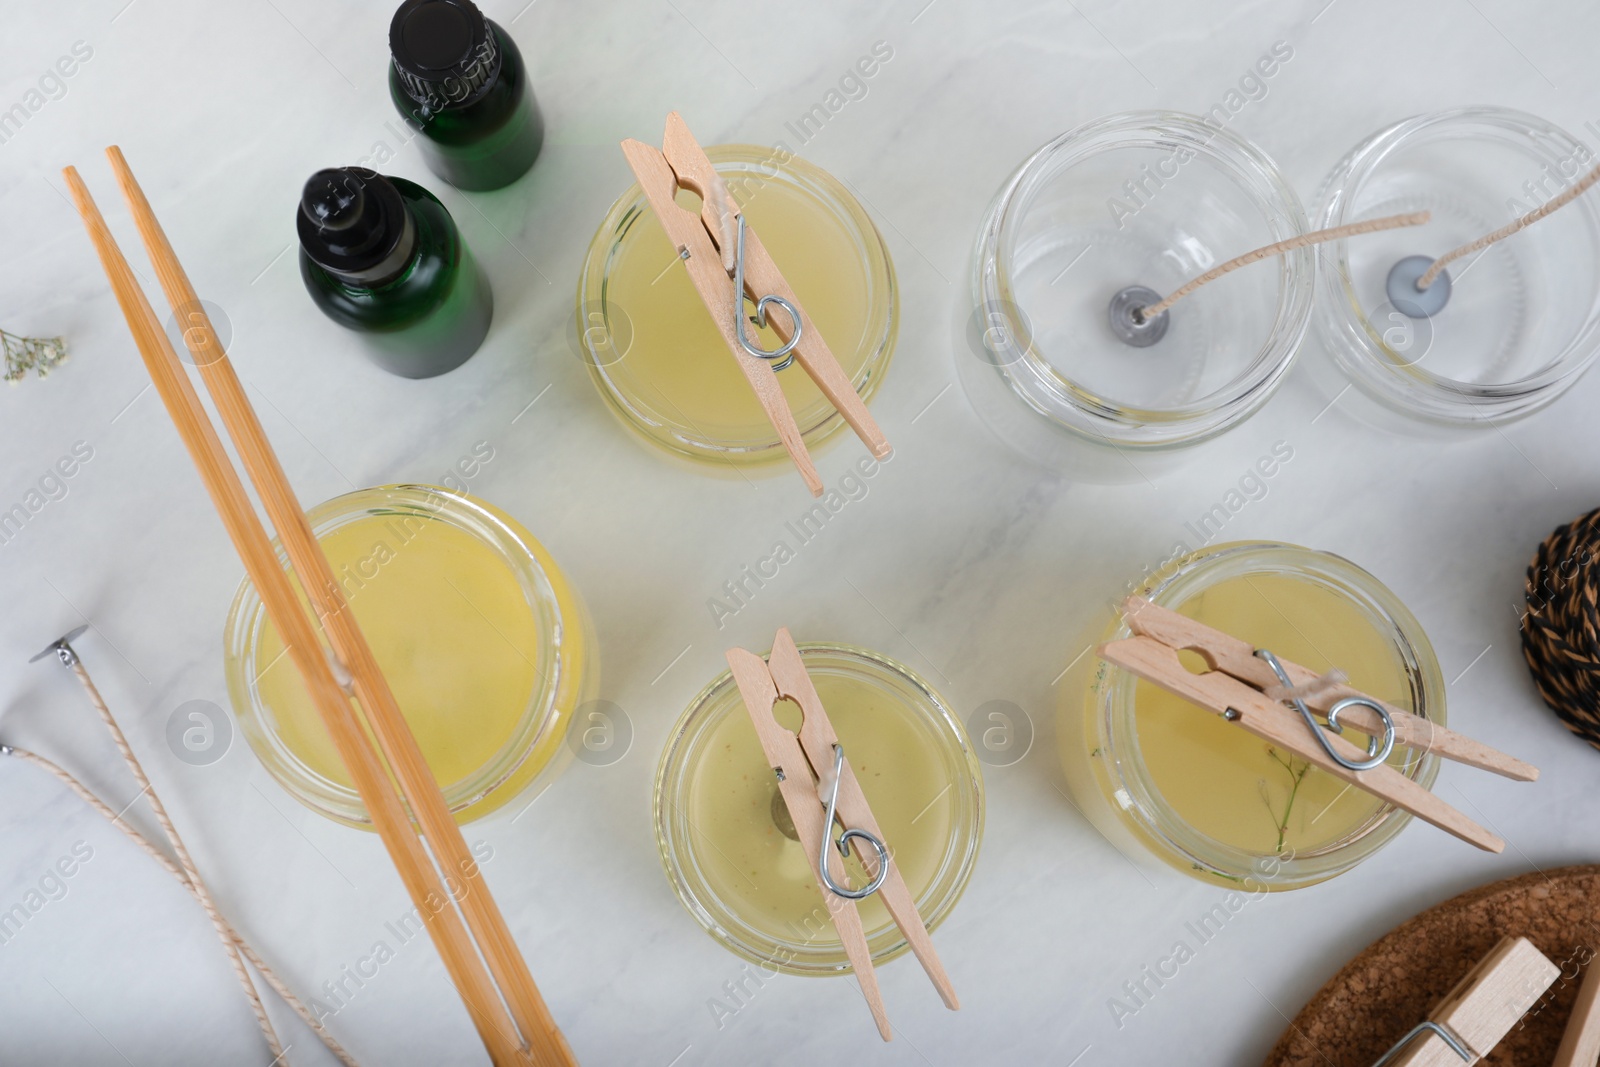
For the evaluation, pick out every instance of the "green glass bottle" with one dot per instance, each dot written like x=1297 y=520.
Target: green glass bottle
x=383 y=257
x=458 y=79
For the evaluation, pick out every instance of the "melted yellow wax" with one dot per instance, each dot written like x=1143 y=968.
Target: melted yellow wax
x=456 y=640
x=1227 y=783
x=677 y=365
x=762 y=875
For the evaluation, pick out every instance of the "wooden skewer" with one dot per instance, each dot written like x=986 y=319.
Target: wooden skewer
x=796 y=783
x=1580 y=1043
x=1233 y=656
x=389 y=816
x=404 y=756
x=1275 y=724
x=817 y=739
x=1483 y=1007
x=283 y=610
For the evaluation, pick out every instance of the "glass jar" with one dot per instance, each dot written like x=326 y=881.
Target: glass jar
x=727 y=841
x=1521 y=323
x=659 y=360
x=488 y=650
x=1159 y=776
x=1146 y=198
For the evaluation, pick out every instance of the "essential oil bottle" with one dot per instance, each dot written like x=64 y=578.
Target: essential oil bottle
x=458 y=79
x=383 y=257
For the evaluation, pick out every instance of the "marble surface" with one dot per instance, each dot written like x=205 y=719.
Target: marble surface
x=970 y=565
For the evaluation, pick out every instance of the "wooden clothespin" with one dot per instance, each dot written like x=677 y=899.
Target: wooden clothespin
x=1242 y=684
x=820 y=788
x=719 y=250
x=1580 y=1044
x=1480 y=1011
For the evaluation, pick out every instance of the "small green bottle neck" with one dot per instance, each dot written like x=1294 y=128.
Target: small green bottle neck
x=391 y=267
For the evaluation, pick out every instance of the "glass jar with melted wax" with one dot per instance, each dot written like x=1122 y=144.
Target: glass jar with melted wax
x=660 y=361
x=1164 y=777
x=729 y=845
x=486 y=646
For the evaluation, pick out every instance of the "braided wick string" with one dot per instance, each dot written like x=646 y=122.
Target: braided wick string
x=160 y=857
x=202 y=894
x=1561 y=628
x=1507 y=230
x=1388 y=222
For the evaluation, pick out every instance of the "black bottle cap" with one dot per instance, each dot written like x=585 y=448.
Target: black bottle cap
x=443 y=51
x=353 y=223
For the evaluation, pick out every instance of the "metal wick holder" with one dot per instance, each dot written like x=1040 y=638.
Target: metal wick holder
x=61 y=648
x=1401 y=288
x=1128 y=321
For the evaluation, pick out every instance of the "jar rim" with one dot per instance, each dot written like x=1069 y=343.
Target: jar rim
x=720 y=699
x=1082 y=411
x=821 y=420
x=1141 y=804
x=247 y=618
x=1361 y=353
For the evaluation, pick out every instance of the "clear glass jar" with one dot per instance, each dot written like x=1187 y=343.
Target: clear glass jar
x=487 y=648
x=1523 y=320
x=659 y=360
x=1162 y=778
x=1145 y=198
x=720 y=820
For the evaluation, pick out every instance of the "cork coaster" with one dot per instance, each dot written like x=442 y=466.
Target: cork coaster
x=1390 y=987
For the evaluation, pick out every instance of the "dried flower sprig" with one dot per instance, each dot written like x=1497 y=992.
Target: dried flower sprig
x=1297 y=769
x=31 y=353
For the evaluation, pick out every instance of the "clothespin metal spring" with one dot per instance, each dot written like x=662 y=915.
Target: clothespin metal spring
x=781 y=356
x=1378 y=749
x=845 y=838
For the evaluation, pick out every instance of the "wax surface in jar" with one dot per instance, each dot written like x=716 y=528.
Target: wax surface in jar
x=677 y=363
x=1226 y=782
x=763 y=876
x=451 y=630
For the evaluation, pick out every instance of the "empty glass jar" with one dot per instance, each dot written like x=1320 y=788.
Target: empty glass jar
x=1147 y=199
x=1523 y=318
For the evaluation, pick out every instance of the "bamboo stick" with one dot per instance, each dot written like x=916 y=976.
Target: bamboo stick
x=417 y=783
x=407 y=851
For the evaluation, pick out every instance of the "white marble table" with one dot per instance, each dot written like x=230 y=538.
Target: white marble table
x=973 y=567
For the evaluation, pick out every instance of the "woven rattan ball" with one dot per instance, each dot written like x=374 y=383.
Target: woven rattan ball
x=1561 y=628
